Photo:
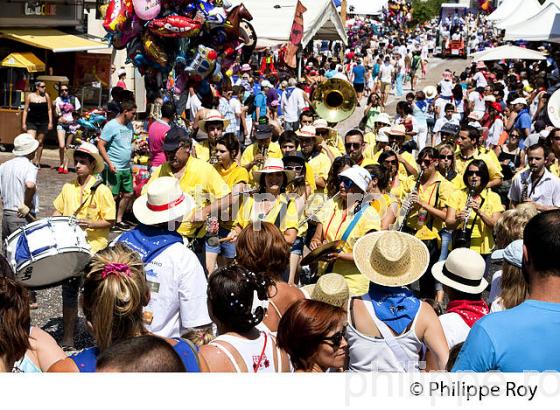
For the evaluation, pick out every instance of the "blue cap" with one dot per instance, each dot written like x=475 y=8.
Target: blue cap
x=512 y=254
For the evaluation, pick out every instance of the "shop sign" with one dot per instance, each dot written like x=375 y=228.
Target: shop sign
x=39 y=9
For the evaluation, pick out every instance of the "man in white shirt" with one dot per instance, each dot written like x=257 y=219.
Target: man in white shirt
x=386 y=74
x=448 y=117
x=174 y=274
x=479 y=78
x=18 y=179
x=476 y=102
x=536 y=185
x=293 y=103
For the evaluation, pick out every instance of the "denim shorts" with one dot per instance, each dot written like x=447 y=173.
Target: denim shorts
x=297 y=247
x=226 y=249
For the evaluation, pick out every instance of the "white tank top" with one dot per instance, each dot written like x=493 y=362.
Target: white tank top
x=372 y=354
x=264 y=328
x=253 y=352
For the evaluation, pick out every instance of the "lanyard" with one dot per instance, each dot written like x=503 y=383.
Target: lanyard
x=257 y=365
x=344 y=215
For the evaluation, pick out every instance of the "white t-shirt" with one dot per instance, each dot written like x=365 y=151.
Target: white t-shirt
x=480 y=80
x=441 y=103
x=13 y=176
x=455 y=328
x=495 y=132
x=442 y=121
x=177 y=292
x=386 y=73
x=292 y=105
x=235 y=105
x=446 y=88
x=478 y=100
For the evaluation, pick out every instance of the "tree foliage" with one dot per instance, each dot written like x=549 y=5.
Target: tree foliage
x=424 y=10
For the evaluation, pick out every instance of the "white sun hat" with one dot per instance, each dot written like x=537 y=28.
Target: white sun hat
x=463 y=270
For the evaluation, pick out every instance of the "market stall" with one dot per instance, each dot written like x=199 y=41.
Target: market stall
x=544 y=26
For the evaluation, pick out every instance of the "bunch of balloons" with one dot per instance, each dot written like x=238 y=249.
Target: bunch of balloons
x=199 y=39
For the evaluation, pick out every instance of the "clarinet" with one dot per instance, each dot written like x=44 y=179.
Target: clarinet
x=462 y=238
x=407 y=206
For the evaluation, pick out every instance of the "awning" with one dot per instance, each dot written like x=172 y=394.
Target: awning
x=55 y=40
x=24 y=60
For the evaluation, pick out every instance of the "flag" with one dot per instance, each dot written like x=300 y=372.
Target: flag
x=296 y=35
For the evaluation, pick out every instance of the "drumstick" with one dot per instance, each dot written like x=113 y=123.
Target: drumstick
x=24 y=210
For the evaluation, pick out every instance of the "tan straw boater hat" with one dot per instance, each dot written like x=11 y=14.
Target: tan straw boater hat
x=463 y=270
x=321 y=124
x=213 y=116
x=391 y=258
x=272 y=165
x=91 y=150
x=163 y=202
x=331 y=288
x=24 y=144
x=307 y=131
x=430 y=91
x=398 y=130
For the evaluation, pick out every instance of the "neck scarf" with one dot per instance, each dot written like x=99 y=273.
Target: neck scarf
x=396 y=307
x=469 y=310
x=149 y=241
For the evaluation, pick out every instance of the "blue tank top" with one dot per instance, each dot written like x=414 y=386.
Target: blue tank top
x=86 y=360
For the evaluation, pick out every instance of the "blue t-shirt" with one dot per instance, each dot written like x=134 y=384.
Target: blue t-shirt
x=524 y=338
x=523 y=120
x=119 y=143
x=359 y=74
x=260 y=101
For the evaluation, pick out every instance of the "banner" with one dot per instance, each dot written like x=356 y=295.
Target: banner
x=296 y=35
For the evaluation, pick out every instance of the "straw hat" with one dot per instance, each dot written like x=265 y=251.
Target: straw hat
x=398 y=130
x=321 y=124
x=24 y=144
x=308 y=131
x=480 y=64
x=91 y=150
x=391 y=258
x=163 y=202
x=463 y=270
x=213 y=116
x=272 y=165
x=430 y=91
x=331 y=288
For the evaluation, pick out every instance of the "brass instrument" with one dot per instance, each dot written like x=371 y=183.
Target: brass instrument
x=263 y=150
x=407 y=206
x=334 y=100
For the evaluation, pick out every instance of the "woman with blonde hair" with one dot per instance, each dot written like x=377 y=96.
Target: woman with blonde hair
x=514 y=287
x=264 y=249
x=114 y=294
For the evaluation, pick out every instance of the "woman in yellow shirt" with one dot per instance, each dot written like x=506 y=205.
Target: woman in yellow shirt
x=485 y=204
x=348 y=218
x=270 y=204
x=397 y=181
x=386 y=205
x=236 y=177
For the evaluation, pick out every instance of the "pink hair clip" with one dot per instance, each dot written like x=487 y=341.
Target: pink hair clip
x=115 y=269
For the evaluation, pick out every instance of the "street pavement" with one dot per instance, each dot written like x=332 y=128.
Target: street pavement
x=49 y=314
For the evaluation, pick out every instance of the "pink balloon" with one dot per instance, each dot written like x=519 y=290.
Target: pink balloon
x=146 y=9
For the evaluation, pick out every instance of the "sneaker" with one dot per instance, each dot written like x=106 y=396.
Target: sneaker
x=122 y=226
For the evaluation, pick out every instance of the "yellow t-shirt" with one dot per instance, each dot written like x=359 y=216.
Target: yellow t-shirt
x=321 y=165
x=249 y=213
x=334 y=224
x=202 y=182
x=251 y=152
x=407 y=156
x=202 y=150
x=428 y=194
x=399 y=191
x=337 y=143
x=482 y=239
x=310 y=177
x=555 y=168
x=101 y=207
x=233 y=175
x=489 y=158
x=382 y=204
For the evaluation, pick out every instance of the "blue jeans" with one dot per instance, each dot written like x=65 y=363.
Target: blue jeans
x=445 y=235
x=399 y=85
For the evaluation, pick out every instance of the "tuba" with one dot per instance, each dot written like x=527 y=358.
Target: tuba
x=334 y=100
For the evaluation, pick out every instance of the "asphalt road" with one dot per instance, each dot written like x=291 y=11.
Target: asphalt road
x=49 y=314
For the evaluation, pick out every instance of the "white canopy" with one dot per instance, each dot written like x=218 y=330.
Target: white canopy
x=272 y=21
x=504 y=10
x=508 y=53
x=524 y=11
x=544 y=26
x=366 y=7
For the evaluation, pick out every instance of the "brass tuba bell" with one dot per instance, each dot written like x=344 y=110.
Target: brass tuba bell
x=334 y=100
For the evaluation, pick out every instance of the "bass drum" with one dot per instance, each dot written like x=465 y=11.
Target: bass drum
x=47 y=252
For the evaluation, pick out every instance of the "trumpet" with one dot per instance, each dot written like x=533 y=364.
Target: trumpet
x=263 y=150
x=407 y=206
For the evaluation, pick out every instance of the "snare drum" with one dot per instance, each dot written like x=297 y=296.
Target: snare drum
x=48 y=251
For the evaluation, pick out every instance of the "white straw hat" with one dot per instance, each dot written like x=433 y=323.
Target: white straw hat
x=430 y=91
x=25 y=144
x=463 y=270
x=163 y=202
x=272 y=165
x=331 y=288
x=383 y=118
x=213 y=116
x=391 y=258
x=91 y=150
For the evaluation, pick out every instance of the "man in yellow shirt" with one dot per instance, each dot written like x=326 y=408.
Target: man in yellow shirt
x=255 y=154
x=289 y=143
x=197 y=178
x=213 y=125
x=315 y=155
x=329 y=136
x=354 y=145
x=92 y=203
x=467 y=142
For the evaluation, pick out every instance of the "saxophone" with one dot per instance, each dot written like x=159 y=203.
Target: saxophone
x=407 y=206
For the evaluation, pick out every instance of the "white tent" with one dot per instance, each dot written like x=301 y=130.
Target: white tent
x=528 y=9
x=508 y=52
x=272 y=21
x=504 y=10
x=366 y=7
x=544 y=26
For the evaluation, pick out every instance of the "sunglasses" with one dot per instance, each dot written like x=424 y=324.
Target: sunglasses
x=448 y=157
x=355 y=145
x=336 y=339
x=425 y=162
x=471 y=173
x=347 y=182
x=296 y=168
x=306 y=122
x=391 y=162
x=322 y=132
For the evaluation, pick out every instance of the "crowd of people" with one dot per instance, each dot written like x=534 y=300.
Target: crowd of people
x=265 y=241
